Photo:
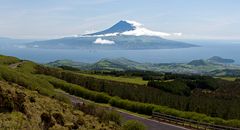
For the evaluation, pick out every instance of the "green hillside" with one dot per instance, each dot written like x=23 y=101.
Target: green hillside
x=31 y=102
x=25 y=109
x=27 y=87
x=202 y=98
x=207 y=67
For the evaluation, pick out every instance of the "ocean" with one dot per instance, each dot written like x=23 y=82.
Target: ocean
x=206 y=49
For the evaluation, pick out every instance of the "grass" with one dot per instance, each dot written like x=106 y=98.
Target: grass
x=23 y=76
x=133 y=125
x=133 y=80
x=8 y=60
x=228 y=78
x=26 y=67
x=42 y=104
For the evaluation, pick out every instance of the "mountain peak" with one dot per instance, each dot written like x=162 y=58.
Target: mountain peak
x=133 y=23
x=217 y=59
x=128 y=27
x=120 y=27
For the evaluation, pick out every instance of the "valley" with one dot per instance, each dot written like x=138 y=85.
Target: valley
x=186 y=96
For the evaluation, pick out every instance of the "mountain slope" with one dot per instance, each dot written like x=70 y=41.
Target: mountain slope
x=68 y=63
x=118 y=64
x=122 y=64
x=25 y=109
x=197 y=63
x=28 y=101
x=217 y=59
x=118 y=42
x=123 y=35
x=119 y=27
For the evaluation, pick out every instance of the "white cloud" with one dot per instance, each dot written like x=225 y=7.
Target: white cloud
x=134 y=23
x=177 y=34
x=140 y=31
x=102 y=35
x=107 y=35
x=103 y=41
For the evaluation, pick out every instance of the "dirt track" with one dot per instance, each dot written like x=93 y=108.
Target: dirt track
x=15 y=65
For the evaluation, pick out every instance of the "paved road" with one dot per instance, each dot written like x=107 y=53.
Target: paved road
x=149 y=123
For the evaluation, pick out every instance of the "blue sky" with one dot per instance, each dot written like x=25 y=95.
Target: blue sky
x=195 y=19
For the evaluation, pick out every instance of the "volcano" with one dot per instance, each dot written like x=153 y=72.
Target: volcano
x=123 y=35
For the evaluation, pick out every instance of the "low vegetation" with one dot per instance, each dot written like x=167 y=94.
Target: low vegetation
x=201 y=94
x=142 y=108
x=215 y=66
x=6 y=60
x=125 y=79
x=201 y=98
x=28 y=101
x=26 y=109
x=133 y=125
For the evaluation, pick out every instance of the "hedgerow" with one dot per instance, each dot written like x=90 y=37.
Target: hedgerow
x=138 y=107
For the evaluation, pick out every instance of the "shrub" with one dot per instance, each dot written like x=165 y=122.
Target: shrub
x=89 y=109
x=78 y=90
x=133 y=125
x=103 y=114
x=59 y=118
x=142 y=108
x=109 y=115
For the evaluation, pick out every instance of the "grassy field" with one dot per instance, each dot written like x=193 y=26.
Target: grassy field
x=133 y=80
x=228 y=78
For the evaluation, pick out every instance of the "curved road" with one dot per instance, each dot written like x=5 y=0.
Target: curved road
x=149 y=123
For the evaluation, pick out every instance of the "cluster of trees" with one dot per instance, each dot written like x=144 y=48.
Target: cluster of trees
x=78 y=91
x=196 y=81
x=184 y=84
x=210 y=105
x=169 y=76
x=69 y=68
x=145 y=108
x=139 y=73
x=138 y=107
x=175 y=87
